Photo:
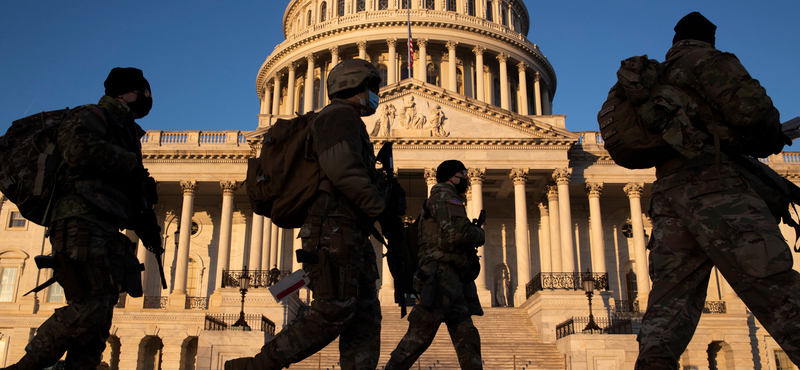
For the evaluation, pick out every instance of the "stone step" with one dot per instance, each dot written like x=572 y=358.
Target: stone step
x=508 y=338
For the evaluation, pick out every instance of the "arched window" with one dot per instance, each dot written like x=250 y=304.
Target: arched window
x=430 y=4
x=405 y=4
x=496 y=92
x=361 y=5
x=432 y=74
x=316 y=93
x=383 y=4
x=489 y=11
x=384 y=73
x=631 y=291
x=471 y=8
x=323 y=10
x=340 y=8
x=459 y=81
x=309 y=18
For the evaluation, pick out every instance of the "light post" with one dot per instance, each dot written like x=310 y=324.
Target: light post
x=588 y=286
x=244 y=284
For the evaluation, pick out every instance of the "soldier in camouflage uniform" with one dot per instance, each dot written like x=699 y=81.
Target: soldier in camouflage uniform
x=100 y=195
x=706 y=214
x=448 y=243
x=343 y=267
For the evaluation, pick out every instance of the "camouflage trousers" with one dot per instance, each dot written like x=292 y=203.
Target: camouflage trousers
x=82 y=327
x=719 y=222
x=345 y=303
x=424 y=321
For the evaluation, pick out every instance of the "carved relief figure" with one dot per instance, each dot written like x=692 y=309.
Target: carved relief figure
x=436 y=121
x=383 y=124
x=411 y=121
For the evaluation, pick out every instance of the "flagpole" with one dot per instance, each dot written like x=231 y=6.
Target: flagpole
x=410 y=45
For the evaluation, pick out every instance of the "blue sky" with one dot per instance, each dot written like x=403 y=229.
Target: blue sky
x=202 y=57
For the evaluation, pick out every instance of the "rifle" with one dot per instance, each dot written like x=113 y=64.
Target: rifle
x=146 y=224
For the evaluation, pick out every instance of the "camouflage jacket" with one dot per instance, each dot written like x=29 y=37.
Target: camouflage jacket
x=101 y=185
x=347 y=159
x=445 y=232
x=730 y=102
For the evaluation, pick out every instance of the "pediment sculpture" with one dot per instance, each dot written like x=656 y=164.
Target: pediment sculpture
x=409 y=122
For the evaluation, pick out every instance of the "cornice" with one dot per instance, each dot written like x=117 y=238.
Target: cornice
x=524 y=46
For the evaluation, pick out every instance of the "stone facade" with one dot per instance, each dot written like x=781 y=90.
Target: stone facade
x=557 y=204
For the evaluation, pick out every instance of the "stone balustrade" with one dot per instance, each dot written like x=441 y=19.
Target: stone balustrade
x=193 y=138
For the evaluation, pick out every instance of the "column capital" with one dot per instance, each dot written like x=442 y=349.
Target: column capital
x=430 y=176
x=522 y=67
x=562 y=175
x=543 y=210
x=279 y=76
x=188 y=186
x=311 y=57
x=228 y=187
x=634 y=189
x=292 y=65
x=423 y=43
x=476 y=175
x=519 y=175
x=334 y=50
x=552 y=191
x=594 y=189
x=269 y=85
x=392 y=42
x=536 y=76
x=478 y=50
x=362 y=44
x=451 y=45
x=502 y=57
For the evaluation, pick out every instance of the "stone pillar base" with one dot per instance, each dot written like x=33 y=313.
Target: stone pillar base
x=177 y=301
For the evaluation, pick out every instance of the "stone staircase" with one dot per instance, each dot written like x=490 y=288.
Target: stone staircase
x=508 y=338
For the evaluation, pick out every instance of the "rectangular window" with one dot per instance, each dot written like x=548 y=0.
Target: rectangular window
x=782 y=361
x=489 y=11
x=405 y=4
x=471 y=8
x=56 y=293
x=17 y=220
x=8 y=281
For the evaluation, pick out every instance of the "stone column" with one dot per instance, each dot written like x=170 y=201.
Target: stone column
x=323 y=85
x=593 y=190
x=422 y=65
x=476 y=177
x=480 y=90
x=522 y=67
x=562 y=177
x=430 y=179
x=451 y=65
x=634 y=192
x=334 y=61
x=289 y=108
x=276 y=94
x=391 y=75
x=308 y=95
x=548 y=108
x=224 y=251
x=504 y=102
x=279 y=249
x=266 y=244
x=362 y=49
x=556 y=254
x=297 y=243
x=520 y=177
x=182 y=264
x=266 y=104
x=544 y=246
x=256 y=241
x=537 y=93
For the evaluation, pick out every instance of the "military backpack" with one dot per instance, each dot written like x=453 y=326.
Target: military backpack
x=283 y=180
x=638 y=110
x=30 y=161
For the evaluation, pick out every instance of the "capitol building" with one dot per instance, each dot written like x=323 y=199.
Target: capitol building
x=479 y=91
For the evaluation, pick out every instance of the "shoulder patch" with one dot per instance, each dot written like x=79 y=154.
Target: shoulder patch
x=456 y=202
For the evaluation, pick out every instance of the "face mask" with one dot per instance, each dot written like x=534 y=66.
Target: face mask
x=141 y=107
x=462 y=186
x=371 y=105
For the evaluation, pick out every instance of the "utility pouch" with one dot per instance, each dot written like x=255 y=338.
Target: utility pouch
x=307 y=256
x=46 y=262
x=322 y=277
x=132 y=279
x=67 y=276
x=431 y=295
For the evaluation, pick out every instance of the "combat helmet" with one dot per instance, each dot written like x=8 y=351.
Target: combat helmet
x=351 y=74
